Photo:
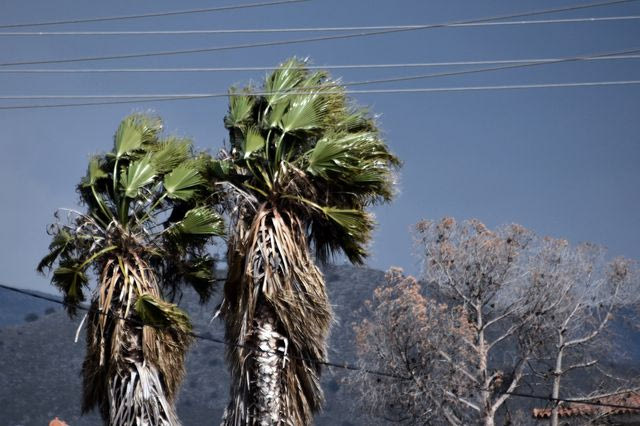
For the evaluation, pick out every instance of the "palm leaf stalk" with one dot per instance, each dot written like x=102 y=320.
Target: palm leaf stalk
x=145 y=230
x=304 y=166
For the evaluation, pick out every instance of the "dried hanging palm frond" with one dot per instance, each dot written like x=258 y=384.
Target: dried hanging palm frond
x=278 y=305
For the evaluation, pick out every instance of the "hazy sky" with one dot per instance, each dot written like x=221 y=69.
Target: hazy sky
x=563 y=162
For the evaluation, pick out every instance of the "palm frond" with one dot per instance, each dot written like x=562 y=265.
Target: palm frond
x=158 y=313
x=200 y=221
x=284 y=79
x=355 y=222
x=253 y=141
x=138 y=174
x=170 y=153
x=239 y=108
x=183 y=182
x=128 y=137
x=305 y=112
x=70 y=278
x=94 y=172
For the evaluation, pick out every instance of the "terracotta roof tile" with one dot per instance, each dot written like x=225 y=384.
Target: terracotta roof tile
x=573 y=409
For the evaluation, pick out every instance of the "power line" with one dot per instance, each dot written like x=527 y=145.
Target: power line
x=128 y=98
x=311 y=29
x=354 y=83
x=327 y=67
x=312 y=39
x=344 y=365
x=151 y=15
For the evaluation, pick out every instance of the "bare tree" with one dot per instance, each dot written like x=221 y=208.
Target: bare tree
x=514 y=303
x=483 y=271
x=403 y=336
x=586 y=290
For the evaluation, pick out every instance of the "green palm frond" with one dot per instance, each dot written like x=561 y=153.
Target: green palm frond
x=239 y=108
x=70 y=277
x=355 y=222
x=283 y=80
x=183 y=182
x=200 y=221
x=158 y=313
x=138 y=174
x=253 y=142
x=168 y=154
x=305 y=112
x=94 y=172
x=128 y=137
x=60 y=243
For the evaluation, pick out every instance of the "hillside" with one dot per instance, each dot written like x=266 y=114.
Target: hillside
x=40 y=373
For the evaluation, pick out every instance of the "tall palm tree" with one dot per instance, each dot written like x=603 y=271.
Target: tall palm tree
x=145 y=224
x=303 y=167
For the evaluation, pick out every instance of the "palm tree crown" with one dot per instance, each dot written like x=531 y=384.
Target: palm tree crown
x=303 y=167
x=145 y=227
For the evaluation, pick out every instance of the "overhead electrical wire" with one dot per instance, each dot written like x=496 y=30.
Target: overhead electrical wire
x=312 y=39
x=348 y=84
x=339 y=365
x=310 y=66
x=152 y=14
x=195 y=96
x=310 y=29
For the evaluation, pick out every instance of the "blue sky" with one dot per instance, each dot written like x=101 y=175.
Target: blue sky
x=563 y=162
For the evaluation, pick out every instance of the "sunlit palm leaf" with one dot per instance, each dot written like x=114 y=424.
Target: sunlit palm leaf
x=128 y=137
x=305 y=112
x=284 y=79
x=138 y=174
x=325 y=156
x=182 y=182
x=169 y=154
x=253 y=142
x=239 y=108
x=200 y=221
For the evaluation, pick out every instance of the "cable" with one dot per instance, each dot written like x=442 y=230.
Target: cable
x=345 y=366
x=310 y=39
x=178 y=97
x=152 y=15
x=308 y=29
x=327 y=67
x=355 y=83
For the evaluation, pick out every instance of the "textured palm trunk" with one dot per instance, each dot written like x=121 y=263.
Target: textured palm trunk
x=276 y=312
x=121 y=373
x=266 y=371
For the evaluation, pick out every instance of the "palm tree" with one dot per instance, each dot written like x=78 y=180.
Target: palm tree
x=303 y=167
x=145 y=224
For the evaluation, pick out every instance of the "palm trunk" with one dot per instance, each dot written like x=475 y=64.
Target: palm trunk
x=124 y=370
x=267 y=368
x=276 y=312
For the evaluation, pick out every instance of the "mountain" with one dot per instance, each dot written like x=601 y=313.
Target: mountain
x=40 y=363
x=16 y=308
